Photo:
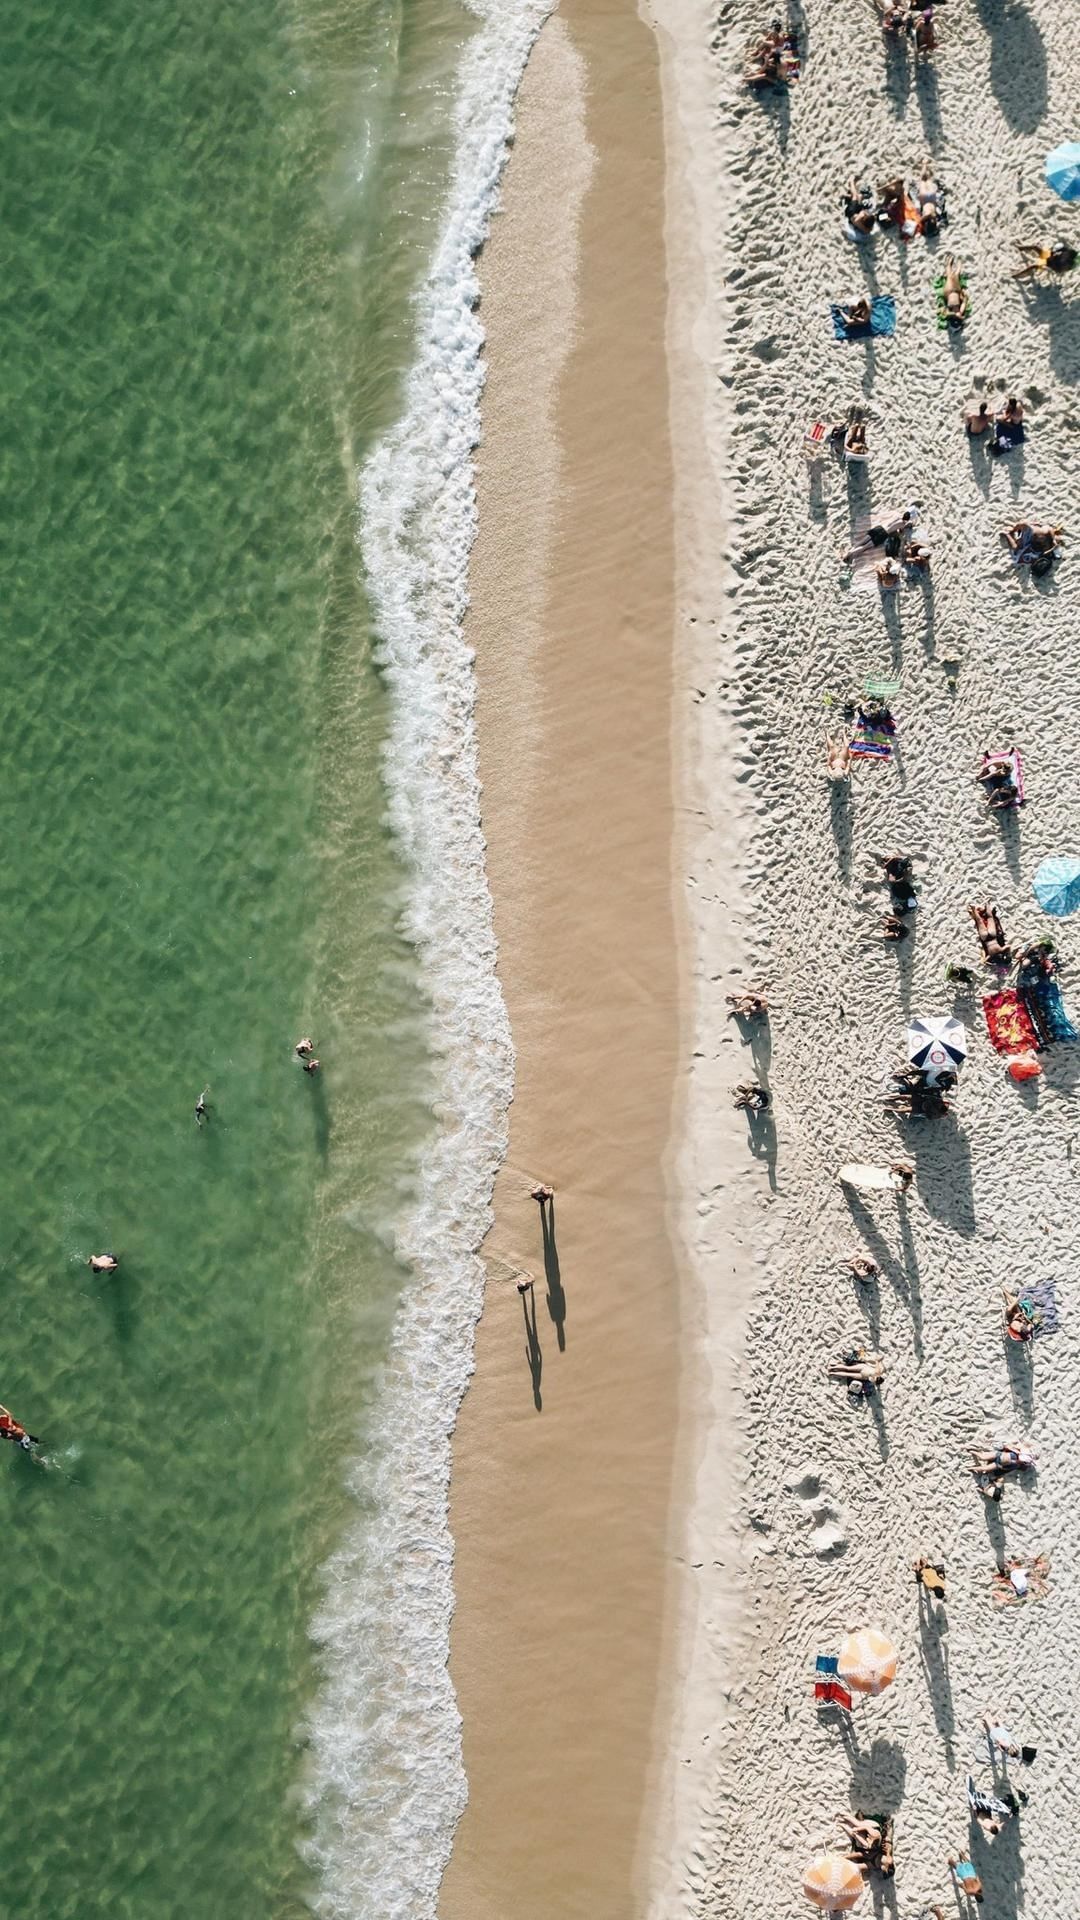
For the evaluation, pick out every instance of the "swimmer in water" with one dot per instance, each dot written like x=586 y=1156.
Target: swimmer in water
x=201 y=1109
x=303 y=1048
x=103 y=1263
x=310 y=1066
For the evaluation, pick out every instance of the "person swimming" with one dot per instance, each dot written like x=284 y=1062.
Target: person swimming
x=201 y=1109
x=103 y=1263
x=304 y=1047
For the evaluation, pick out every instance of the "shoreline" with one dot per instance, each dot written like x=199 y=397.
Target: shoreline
x=562 y=1514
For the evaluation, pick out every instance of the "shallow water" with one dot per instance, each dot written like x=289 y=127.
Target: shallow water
x=213 y=219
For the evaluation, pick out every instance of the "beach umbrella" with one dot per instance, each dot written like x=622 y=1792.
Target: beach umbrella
x=832 y=1883
x=867 y=1661
x=1063 y=170
x=1057 y=884
x=936 y=1046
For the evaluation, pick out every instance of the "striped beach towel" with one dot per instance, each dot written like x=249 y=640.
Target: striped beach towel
x=873 y=737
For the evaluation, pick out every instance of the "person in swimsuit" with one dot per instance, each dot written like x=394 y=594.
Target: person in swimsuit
x=954 y=293
x=931 y=1577
x=991 y=934
x=929 y=197
x=103 y=1263
x=857 y=314
x=310 y=1066
x=304 y=1047
x=858 y=210
x=201 y=1109
x=978 y=422
x=967 y=1880
x=1028 y=542
x=1040 y=259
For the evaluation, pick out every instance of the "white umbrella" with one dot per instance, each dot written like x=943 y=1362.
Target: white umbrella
x=937 y=1046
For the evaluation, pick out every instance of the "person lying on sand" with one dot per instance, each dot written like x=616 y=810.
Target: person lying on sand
x=931 y=1577
x=954 y=293
x=855 y=447
x=1009 y=1457
x=929 y=196
x=750 y=1098
x=917 y=555
x=1059 y=258
x=978 y=420
x=925 y=31
x=990 y=1811
x=871 y=1842
x=890 y=207
x=991 y=934
x=1030 y=543
x=1017 y=1580
x=893 y=18
x=965 y=1876
x=837 y=759
x=867 y=1368
x=858 y=205
x=901 y=1175
x=889 y=928
x=896 y=868
x=959 y=976
x=862 y=1266
x=748 y=1006
x=1000 y=1739
x=1017 y=1317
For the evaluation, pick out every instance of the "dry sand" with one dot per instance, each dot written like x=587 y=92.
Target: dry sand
x=563 y=1457
x=835 y=1501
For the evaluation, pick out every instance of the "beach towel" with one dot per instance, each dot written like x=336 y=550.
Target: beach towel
x=881 y=324
x=1007 y=435
x=1043 y=1297
x=1042 y=998
x=873 y=736
x=1008 y=1022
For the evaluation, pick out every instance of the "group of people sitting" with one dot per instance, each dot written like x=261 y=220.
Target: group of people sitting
x=998 y=776
x=918 y=1095
x=906 y=209
x=909 y=20
x=870 y=1842
x=999 y=430
x=773 y=60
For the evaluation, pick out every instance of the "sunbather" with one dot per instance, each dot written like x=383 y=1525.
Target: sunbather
x=889 y=573
x=1031 y=544
x=890 y=928
x=917 y=555
x=893 y=18
x=1017 y=1316
x=967 y=1880
x=858 y=205
x=871 y=1842
x=890 y=212
x=1009 y=1457
x=959 y=976
x=862 y=1266
x=748 y=1006
x=855 y=435
x=954 y=293
x=1012 y=412
x=865 y=1368
x=896 y=868
x=1059 y=258
x=750 y=1098
x=991 y=934
x=929 y=197
x=925 y=31
x=856 y=313
x=931 y=1577
x=978 y=421
x=837 y=759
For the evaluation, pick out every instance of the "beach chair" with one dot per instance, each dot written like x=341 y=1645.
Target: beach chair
x=828 y=1689
x=816 y=440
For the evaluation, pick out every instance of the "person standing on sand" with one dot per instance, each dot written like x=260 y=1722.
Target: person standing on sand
x=542 y=1194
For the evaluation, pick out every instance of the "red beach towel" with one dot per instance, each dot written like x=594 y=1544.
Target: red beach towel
x=1008 y=1022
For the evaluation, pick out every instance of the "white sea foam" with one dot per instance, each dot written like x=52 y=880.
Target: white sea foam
x=388 y=1785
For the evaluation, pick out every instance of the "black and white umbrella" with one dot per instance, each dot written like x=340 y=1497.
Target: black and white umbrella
x=937 y=1046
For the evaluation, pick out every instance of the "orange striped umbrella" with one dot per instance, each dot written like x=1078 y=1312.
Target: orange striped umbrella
x=832 y=1883
x=867 y=1661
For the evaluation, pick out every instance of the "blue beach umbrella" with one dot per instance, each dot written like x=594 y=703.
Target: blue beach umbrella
x=1057 y=884
x=1062 y=170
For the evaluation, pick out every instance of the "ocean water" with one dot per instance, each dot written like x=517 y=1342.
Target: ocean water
x=239 y=803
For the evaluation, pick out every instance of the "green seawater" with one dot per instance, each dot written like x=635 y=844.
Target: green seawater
x=213 y=216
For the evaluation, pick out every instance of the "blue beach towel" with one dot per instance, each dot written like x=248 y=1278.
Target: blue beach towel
x=1048 y=1013
x=882 y=321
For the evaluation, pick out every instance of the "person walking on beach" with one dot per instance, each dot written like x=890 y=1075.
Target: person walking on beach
x=103 y=1263
x=201 y=1109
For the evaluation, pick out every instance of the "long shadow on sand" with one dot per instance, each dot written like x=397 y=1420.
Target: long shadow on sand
x=1018 y=69
x=944 y=1176
x=934 y=1660
x=556 y=1298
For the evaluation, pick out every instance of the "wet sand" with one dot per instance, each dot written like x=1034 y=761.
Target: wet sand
x=561 y=1496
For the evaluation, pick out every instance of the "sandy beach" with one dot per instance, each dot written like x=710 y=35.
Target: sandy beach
x=649 y=1562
